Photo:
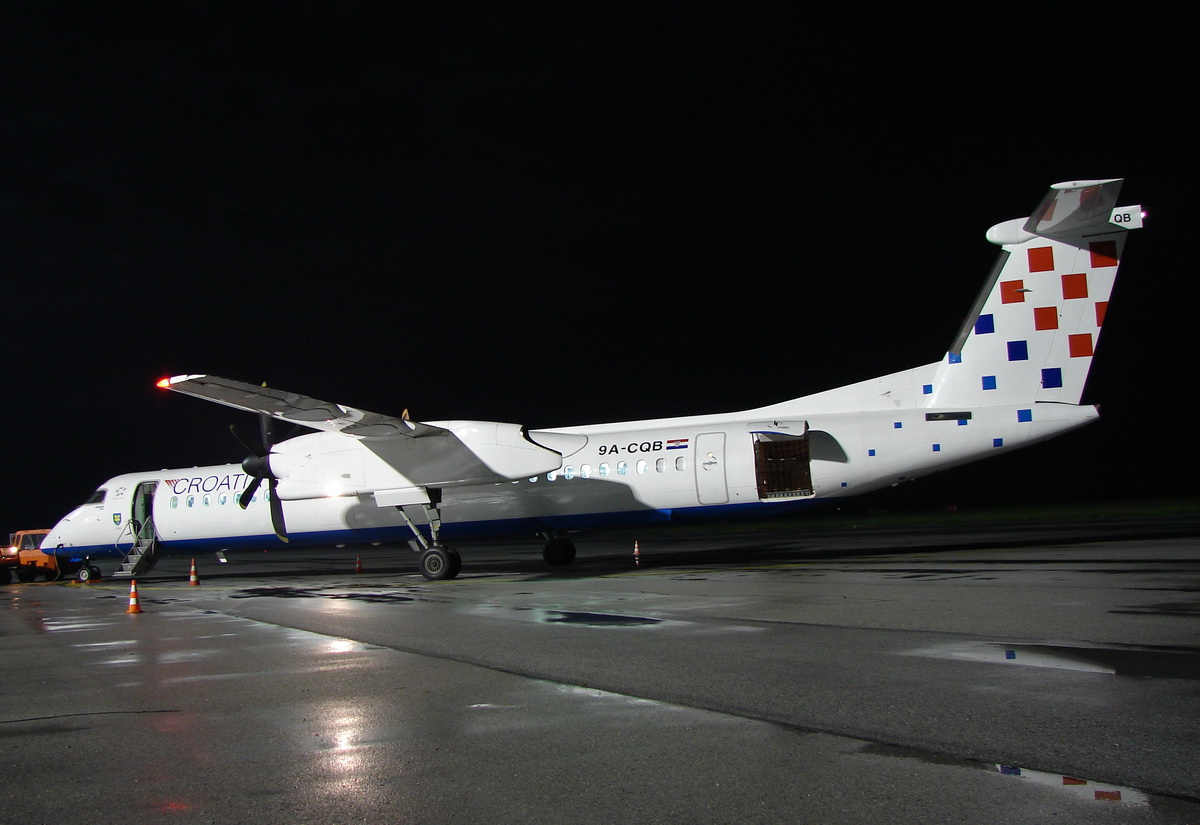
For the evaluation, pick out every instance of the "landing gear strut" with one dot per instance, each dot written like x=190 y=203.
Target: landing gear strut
x=438 y=561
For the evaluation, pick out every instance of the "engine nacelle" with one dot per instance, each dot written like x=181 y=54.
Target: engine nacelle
x=464 y=452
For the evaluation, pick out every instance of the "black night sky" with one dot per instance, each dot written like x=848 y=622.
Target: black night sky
x=553 y=214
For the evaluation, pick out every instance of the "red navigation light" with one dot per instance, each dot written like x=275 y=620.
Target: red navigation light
x=164 y=384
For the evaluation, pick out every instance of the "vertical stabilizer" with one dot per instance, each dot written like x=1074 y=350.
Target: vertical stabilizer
x=1033 y=331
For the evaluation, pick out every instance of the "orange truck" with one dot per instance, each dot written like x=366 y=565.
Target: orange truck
x=24 y=556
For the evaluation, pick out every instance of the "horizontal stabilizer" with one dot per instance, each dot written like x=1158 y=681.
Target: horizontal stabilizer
x=1075 y=208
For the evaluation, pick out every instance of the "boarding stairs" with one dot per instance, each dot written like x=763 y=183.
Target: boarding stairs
x=143 y=555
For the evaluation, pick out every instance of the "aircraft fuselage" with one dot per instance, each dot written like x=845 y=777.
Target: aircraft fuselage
x=652 y=471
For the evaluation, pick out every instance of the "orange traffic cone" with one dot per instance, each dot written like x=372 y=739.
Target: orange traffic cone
x=637 y=555
x=134 y=607
x=358 y=564
x=193 y=579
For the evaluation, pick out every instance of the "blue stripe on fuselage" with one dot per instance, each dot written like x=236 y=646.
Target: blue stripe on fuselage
x=476 y=529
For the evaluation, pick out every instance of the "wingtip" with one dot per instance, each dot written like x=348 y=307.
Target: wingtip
x=168 y=383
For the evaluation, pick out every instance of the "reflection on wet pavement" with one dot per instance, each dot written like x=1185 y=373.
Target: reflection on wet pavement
x=1081 y=788
x=1162 y=663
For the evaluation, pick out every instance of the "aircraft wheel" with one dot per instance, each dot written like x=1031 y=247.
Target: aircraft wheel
x=438 y=563
x=86 y=574
x=559 y=552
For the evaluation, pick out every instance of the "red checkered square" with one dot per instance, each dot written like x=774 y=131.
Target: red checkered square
x=1075 y=285
x=1041 y=259
x=1080 y=346
x=1104 y=253
x=1012 y=292
x=1045 y=318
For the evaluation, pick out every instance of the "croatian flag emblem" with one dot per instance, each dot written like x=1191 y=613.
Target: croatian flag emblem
x=677 y=444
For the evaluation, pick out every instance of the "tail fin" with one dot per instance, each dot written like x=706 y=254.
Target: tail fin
x=1032 y=332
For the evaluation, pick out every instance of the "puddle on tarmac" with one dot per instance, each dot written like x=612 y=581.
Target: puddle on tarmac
x=1160 y=663
x=576 y=618
x=1086 y=789
x=596 y=619
x=1079 y=788
x=544 y=616
x=316 y=593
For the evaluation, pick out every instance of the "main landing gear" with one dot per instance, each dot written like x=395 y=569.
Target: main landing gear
x=559 y=550
x=438 y=561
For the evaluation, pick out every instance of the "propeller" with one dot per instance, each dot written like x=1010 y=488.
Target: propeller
x=257 y=466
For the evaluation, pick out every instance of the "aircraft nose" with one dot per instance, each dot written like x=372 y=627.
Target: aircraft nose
x=55 y=537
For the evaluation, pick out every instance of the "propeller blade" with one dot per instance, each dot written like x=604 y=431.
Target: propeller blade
x=257 y=466
x=248 y=493
x=267 y=430
x=250 y=446
x=277 y=513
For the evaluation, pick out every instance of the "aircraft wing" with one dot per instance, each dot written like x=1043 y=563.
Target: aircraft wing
x=295 y=408
x=417 y=454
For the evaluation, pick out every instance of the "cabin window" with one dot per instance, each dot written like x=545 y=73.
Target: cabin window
x=569 y=472
x=622 y=468
x=660 y=466
x=641 y=466
x=681 y=463
x=602 y=470
x=585 y=471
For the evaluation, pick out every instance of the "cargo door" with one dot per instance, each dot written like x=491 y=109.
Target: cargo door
x=782 y=465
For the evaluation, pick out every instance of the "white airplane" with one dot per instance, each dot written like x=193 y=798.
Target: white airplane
x=1014 y=375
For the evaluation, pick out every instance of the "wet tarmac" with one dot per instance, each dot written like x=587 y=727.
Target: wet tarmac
x=911 y=675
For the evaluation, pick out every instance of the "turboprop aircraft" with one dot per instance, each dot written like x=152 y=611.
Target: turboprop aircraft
x=1014 y=375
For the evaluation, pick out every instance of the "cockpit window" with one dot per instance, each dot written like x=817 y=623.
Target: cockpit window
x=97 y=497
